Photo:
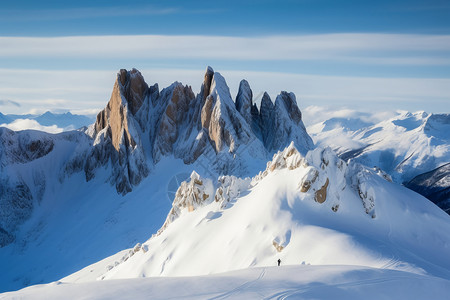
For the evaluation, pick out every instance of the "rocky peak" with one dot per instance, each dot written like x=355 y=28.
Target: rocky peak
x=266 y=120
x=288 y=102
x=206 y=88
x=127 y=95
x=266 y=109
x=227 y=127
x=191 y=195
x=177 y=122
x=244 y=101
x=133 y=87
x=116 y=126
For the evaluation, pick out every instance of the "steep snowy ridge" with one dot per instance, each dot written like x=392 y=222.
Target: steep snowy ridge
x=314 y=208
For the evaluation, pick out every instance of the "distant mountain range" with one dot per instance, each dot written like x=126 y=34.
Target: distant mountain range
x=411 y=147
x=64 y=121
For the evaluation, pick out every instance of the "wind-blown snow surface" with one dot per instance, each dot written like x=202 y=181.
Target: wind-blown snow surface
x=361 y=220
x=293 y=282
x=404 y=146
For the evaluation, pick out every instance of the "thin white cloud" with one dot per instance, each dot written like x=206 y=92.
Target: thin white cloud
x=362 y=48
x=9 y=102
x=24 y=124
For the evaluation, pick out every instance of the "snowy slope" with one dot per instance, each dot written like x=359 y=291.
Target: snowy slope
x=293 y=282
x=315 y=210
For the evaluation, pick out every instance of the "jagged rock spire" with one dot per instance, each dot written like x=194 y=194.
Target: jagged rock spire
x=244 y=100
x=206 y=89
x=176 y=122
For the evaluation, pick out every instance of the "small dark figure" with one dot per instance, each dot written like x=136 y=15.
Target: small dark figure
x=279 y=262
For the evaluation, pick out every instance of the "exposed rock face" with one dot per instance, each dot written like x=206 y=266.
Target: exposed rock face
x=206 y=88
x=117 y=126
x=189 y=196
x=244 y=101
x=174 y=119
x=288 y=124
x=267 y=120
x=229 y=188
x=128 y=94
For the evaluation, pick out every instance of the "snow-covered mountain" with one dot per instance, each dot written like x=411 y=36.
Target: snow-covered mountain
x=314 y=209
x=50 y=122
x=340 y=229
x=115 y=177
x=404 y=146
x=106 y=203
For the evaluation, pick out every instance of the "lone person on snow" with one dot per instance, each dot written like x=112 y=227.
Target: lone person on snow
x=279 y=262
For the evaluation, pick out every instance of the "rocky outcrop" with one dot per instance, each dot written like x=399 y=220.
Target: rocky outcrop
x=191 y=194
x=230 y=188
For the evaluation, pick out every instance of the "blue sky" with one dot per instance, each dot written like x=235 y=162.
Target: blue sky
x=366 y=55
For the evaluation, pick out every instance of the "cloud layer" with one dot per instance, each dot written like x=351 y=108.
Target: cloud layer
x=278 y=62
x=362 y=48
x=24 y=124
